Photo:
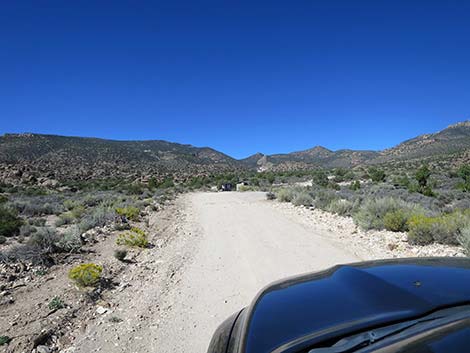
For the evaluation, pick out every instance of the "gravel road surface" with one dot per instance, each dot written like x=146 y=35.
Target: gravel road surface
x=219 y=250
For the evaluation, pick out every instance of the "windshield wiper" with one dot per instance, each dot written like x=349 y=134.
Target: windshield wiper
x=352 y=343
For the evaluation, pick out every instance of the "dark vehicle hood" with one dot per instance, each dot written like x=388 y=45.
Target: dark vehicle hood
x=291 y=315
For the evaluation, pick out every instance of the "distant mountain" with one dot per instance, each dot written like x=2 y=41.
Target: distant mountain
x=314 y=157
x=30 y=157
x=452 y=142
x=61 y=157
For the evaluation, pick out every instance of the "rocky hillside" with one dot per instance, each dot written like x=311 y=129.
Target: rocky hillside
x=454 y=140
x=315 y=157
x=446 y=146
x=39 y=158
x=32 y=156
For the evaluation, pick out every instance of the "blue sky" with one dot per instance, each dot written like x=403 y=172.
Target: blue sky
x=238 y=76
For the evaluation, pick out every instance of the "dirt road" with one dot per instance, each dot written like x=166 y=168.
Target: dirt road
x=226 y=247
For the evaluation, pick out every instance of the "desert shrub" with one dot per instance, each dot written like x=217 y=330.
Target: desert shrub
x=122 y=226
x=3 y=239
x=10 y=223
x=341 y=207
x=4 y=340
x=3 y=199
x=372 y=211
x=78 y=211
x=243 y=188
x=38 y=205
x=115 y=319
x=355 y=185
x=285 y=195
x=270 y=196
x=97 y=217
x=130 y=212
x=333 y=185
x=320 y=178
x=64 y=218
x=464 y=173
x=401 y=181
x=302 y=199
x=422 y=175
x=45 y=238
x=445 y=229
x=56 y=303
x=134 y=237
x=69 y=204
x=396 y=221
x=38 y=222
x=26 y=230
x=120 y=254
x=421 y=230
x=86 y=275
x=377 y=175
x=26 y=253
x=70 y=241
x=323 y=198
x=167 y=183
x=464 y=238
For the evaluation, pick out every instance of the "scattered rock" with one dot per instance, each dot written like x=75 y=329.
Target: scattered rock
x=101 y=310
x=43 y=349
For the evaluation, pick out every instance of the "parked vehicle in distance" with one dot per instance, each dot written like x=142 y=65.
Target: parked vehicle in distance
x=400 y=305
x=226 y=187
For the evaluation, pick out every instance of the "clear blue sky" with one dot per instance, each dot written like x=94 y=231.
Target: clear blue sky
x=239 y=76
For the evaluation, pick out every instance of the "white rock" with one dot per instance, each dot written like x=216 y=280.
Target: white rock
x=101 y=310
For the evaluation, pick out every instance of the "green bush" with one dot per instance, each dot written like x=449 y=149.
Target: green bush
x=64 y=218
x=97 y=217
x=86 y=275
x=115 y=319
x=134 y=237
x=120 y=254
x=355 y=185
x=285 y=195
x=167 y=183
x=26 y=230
x=323 y=198
x=78 y=211
x=372 y=212
x=130 y=212
x=56 y=303
x=464 y=173
x=444 y=229
x=341 y=207
x=46 y=239
x=421 y=230
x=464 y=238
x=320 y=178
x=4 y=340
x=422 y=175
x=377 y=175
x=3 y=239
x=10 y=223
x=70 y=241
x=396 y=221
x=70 y=204
x=302 y=199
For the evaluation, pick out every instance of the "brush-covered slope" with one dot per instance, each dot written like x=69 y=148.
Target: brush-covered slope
x=79 y=157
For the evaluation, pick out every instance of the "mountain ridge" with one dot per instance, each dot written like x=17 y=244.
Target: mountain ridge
x=60 y=157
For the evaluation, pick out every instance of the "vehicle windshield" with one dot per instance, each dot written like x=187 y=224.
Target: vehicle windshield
x=440 y=329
